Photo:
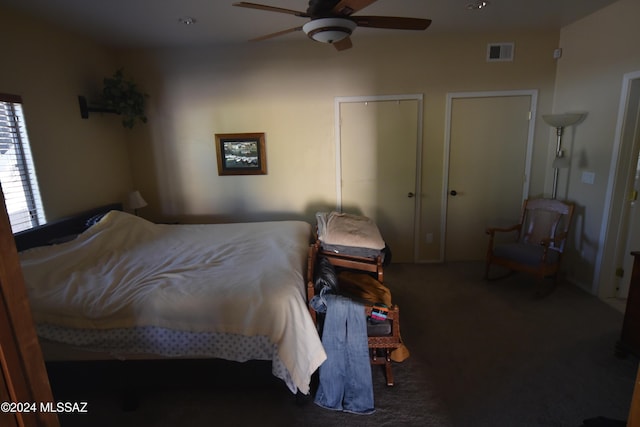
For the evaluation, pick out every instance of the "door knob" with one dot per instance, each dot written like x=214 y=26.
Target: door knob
x=410 y=195
x=453 y=192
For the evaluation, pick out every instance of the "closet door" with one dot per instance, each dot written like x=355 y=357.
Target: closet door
x=23 y=377
x=487 y=164
x=378 y=168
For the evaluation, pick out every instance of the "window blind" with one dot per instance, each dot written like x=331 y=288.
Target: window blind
x=17 y=173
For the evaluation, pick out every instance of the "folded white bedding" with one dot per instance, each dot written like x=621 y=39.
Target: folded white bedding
x=344 y=229
x=125 y=272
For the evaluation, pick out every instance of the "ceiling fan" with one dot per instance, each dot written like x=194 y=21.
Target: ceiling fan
x=332 y=21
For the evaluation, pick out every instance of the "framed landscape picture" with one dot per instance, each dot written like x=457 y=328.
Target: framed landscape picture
x=241 y=154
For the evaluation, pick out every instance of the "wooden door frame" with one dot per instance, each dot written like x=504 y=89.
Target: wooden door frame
x=21 y=363
x=608 y=248
x=451 y=96
x=338 y=101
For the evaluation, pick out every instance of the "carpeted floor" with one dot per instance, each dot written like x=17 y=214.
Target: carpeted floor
x=482 y=354
x=254 y=399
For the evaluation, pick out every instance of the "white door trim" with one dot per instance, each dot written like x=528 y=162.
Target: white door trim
x=605 y=259
x=447 y=145
x=338 y=101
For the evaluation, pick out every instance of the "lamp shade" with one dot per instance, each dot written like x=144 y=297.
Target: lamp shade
x=562 y=120
x=329 y=30
x=136 y=201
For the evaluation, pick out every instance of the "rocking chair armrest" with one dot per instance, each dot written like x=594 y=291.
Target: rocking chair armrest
x=492 y=230
x=561 y=236
x=547 y=241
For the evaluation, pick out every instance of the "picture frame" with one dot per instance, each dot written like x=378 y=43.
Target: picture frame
x=241 y=153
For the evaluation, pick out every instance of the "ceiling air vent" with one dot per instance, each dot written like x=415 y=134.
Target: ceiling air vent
x=499 y=52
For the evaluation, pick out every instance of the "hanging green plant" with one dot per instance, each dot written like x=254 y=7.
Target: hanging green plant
x=123 y=97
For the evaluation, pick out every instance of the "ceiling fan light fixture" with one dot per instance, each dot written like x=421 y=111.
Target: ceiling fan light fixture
x=329 y=30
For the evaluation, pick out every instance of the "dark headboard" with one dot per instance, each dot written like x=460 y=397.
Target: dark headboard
x=45 y=234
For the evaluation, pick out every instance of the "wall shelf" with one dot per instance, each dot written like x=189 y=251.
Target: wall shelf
x=85 y=108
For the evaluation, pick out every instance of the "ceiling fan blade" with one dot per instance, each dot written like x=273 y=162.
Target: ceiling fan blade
x=343 y=44
x=391 y=22
x=276 y=34
x=347 y=7
x=249 y=5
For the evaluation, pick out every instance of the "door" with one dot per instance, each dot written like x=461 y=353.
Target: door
x=23 y=377
x=630 y=224
x=378 y=158
x=487 y=170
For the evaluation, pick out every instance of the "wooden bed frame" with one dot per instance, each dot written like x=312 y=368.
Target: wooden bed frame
x=45 y=234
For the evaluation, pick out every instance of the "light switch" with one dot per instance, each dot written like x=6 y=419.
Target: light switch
x=588 y=177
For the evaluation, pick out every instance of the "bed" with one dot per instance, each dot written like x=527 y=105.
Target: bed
x=127 y=288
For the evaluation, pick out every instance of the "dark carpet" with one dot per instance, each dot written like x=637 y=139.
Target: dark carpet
x=482 y=354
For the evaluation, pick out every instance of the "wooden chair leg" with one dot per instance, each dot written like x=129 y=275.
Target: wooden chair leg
x=387 y=368
x=386 y=363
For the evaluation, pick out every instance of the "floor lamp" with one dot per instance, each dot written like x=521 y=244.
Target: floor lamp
x=560 y=121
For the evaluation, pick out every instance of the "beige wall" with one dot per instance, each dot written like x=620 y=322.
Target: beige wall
x=597 y=52
x=287 y=90
x=80 y=163
x=283 y=88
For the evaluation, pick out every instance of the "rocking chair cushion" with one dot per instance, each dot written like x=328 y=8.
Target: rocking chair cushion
x=525 y=253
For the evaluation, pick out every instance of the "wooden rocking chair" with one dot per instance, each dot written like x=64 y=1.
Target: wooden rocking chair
x=540 y=239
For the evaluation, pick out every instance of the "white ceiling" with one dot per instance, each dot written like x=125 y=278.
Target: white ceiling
x=151 y=23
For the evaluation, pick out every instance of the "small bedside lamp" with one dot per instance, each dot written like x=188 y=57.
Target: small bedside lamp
x=136 y=201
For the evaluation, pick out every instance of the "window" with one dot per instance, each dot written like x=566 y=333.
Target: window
x=17 y=174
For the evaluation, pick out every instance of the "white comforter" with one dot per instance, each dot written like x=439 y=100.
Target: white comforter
x=124 y=271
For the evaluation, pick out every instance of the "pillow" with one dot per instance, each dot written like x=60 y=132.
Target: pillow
x=94 y=219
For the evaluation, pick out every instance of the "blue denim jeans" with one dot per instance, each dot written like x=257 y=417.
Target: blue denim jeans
x=345 y=377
